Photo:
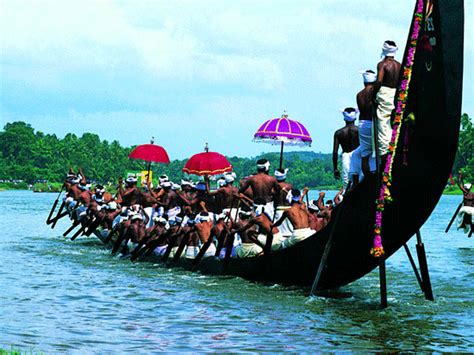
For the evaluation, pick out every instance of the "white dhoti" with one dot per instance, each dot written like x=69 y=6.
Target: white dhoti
x=460 y=222
x=269 y=209
x=286 y=228
x=223 y=252
x=276 y=241
x=298 y=236
x=365 y=138
x=385 y=105
x=149 y=212
x=191 y=252
x=160 y=250
x=173 y=213
x=211 y=251
x=246 y=250
x=346 y=164
x=173 y=252
x=356 y=165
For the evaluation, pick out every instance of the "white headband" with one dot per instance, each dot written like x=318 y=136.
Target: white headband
x=229 y=178
x=349 y=116
x=368 y=76
x=281 y=175
x=221 y=182
x=265 y=165
x=388 y=50
x=467 y=186
x=312 y=205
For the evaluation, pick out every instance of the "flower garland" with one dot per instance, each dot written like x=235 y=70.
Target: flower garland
x=384 y=195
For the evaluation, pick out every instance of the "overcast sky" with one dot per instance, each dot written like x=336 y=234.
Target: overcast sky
x=190 y=72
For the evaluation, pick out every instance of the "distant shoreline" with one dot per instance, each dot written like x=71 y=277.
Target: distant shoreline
x=448 y=191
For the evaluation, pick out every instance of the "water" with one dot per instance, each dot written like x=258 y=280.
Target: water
x=62 y=296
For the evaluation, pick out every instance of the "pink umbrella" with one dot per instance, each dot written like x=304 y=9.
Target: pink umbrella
x=283 y=130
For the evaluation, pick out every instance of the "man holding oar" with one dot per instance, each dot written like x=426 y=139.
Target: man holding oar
x=263 y=186
x=467 y=210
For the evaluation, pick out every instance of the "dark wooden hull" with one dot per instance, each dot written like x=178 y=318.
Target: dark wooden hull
x=435 y=99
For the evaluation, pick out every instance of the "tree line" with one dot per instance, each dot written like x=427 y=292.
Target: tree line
x=29 y=155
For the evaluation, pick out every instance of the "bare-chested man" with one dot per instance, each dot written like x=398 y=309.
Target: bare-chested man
x=348 y=138
x=388 y=72
x=366 y=104
x=263 y=185
x=226 y=196
x=130 y=195
x=467 y=211
x=204 y=227
x=250 y=245
x=282 y=203
x=316 y=222
x=264 y=223
x=299 y=218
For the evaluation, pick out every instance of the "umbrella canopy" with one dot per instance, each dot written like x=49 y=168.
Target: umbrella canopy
x=207 y=163
x=150 y=153
x=283 y=130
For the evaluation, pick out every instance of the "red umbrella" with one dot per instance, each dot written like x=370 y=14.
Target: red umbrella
x=150 y=153
x=207 y=163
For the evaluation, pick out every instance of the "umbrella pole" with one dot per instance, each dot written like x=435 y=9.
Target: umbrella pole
x=281 y=155
x=148 y=175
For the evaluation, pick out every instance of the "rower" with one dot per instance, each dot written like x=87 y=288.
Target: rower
x=131 y=194
x=467 y=211
x=263 y=186
x=264 y=223
x=282 y=202
x=316 y=222
x=248 y=236
x=348 y=138
x=299 y=218
x=226 y=195
x=388 y=72
x=203 y=227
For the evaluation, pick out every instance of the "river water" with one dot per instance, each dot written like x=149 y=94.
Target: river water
x=63 y=296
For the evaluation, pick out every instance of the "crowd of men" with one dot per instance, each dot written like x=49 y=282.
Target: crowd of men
x=258 y=215
x=370 y=139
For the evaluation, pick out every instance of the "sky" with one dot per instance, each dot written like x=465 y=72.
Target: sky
x=190 y=72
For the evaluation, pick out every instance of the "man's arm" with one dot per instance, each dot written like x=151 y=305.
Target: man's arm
x=321 y=201
x=380 y=75
x=244 y=186
x=461 y=183
x=335 y=150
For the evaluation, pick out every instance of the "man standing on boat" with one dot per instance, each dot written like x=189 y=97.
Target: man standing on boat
x=366 y=104
x=263 y=186
x=388 y=72
x=348 y=138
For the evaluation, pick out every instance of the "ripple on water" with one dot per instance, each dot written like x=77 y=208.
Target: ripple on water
x=63 y=296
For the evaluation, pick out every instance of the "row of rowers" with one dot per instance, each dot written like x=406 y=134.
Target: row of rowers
x=264 y=214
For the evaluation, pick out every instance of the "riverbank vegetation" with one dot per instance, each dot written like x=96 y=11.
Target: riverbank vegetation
x=42 y=160
x=32 y=155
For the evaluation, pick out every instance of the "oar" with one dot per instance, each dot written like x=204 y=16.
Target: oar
x=69 y=230
x=454 y=217
x=122 y=236
x=470 y=233
x=181 y=247
x=324 y=258
x=78 y=232
x=58 y=217
x=55 y=203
